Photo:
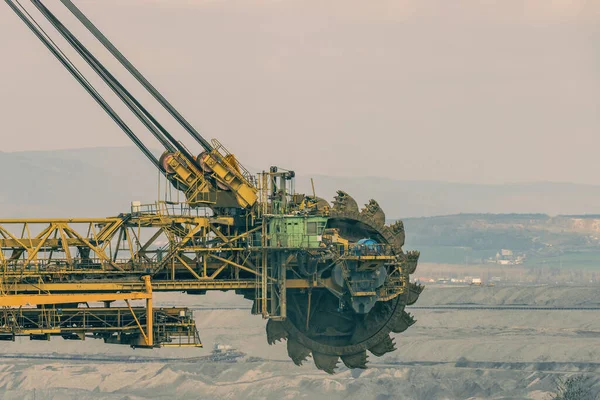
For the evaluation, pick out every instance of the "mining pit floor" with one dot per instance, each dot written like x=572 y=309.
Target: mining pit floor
x=485 y=351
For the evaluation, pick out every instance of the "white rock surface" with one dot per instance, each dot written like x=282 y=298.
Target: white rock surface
x=448 y=354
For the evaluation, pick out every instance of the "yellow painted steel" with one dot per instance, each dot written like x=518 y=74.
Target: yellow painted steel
x=223 y=167
x=173 y=329
x=157 y=286
x=7 y=221
x=21 y=300
x=149 y=312
x=245 y=194
x=147 y=336
x=61 y=261
x=24 y=300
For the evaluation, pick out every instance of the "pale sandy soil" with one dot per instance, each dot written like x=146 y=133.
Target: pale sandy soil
x=446 y=355
x=508 y=274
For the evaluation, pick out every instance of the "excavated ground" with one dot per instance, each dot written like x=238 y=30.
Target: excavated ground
x=447 y=354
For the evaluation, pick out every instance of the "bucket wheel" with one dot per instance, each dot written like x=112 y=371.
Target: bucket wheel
x=319 y=324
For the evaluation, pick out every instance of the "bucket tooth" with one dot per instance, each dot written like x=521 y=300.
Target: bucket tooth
x=374 y=212
x=385 y=346
x=358 y=360
x=297 y=352
x=398 y=235
x=411 y=260
x=326 y=362
x=275 y=331
x=403 y=323
x=344 y=203
x=414 y=290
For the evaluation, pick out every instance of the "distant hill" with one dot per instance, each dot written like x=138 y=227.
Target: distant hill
x=510 y=231
x=540 y=239
x=94 y=182
x=103 y=181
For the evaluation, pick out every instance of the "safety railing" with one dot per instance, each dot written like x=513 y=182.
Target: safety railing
x=223 y=152
x=163 y=208
x=59 y=263
x=369 y=250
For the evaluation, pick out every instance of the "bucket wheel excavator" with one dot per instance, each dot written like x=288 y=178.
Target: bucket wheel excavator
x=332 y=279
x=366 y=292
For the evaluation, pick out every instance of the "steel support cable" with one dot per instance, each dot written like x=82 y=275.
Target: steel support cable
x=110 y=80
x=137 y=74
x=159 y=132
x=43 y=32
x=62 y=57
x=30 y=22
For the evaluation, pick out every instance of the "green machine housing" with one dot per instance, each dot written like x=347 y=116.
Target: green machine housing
x=295 y=231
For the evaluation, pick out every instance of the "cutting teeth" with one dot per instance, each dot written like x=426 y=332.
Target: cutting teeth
x=414 y=290
x=411 y=260
x=403 y=323
x=368 y=333
x=385 y=346
x=397 y=227
x=344 y=203
x=358 y=360
x=397 y=236
x=373 y=211
x=275 y=331
x=297 y=352
x=326 y=362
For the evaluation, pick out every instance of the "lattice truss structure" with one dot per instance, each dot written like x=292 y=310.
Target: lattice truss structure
x=332 y=279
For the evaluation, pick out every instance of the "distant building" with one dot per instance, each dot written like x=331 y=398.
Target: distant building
x=507 y=257
x=425 y=280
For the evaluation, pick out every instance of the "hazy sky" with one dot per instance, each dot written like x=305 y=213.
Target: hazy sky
x=465 y=91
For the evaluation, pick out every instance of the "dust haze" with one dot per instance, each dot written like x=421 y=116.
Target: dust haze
x=487 y=95
x=476 y=92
